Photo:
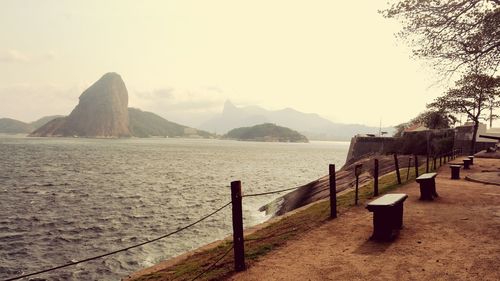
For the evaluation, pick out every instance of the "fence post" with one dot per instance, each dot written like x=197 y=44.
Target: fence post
x=408 y=168
x=333 y=192
x=416 y=166
x=435 y=163
x=396 y=163
x=427 y=163
x=375 y=178
x=440 y=160
x=357 y=172
x=238 y=242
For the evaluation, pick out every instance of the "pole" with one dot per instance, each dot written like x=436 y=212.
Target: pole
x=416 y=166
x=427 y=164
x=238 y=242
x=396 y=163
x=333 y=192
x=357 y=186
x=357 y=172
x=408 y=169
x=375 y=178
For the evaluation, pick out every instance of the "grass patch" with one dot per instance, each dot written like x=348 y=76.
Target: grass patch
x=274 y=235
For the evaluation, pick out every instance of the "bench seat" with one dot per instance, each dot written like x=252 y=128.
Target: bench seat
x=387 y=216
x=427 y=183
x=455 y=171
x=467 y=163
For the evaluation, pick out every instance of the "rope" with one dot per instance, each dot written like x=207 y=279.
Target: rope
x=213 y=264
x=270 y=192
x=123 y=249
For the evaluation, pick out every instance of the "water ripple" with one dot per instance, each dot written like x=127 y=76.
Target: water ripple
x=69 y=199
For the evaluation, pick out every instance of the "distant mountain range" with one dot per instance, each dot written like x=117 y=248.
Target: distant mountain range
x=311 y=125
x=142 y=124
x=103 y=112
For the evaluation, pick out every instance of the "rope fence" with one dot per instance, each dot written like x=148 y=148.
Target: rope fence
x=237 y=213
x=122 y=249
x=270 y=192
x=213 y=264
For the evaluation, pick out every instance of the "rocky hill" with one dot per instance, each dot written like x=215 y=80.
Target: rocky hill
x=12 y=126
x=42 y=121
x=101 y=112
x=266 y=132
x=147 y=124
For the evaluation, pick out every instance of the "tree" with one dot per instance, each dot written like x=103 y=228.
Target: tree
x=453 y=34
x=432 y=119
x=435 y=119
x=474 y=93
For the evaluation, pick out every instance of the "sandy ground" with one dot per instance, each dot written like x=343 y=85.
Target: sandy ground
x=455 y=237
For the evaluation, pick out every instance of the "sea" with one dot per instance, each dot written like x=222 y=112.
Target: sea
x=67 y=199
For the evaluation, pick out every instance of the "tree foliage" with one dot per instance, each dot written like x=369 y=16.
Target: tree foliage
x=433 y=119
x=473 y=95
x=453 y=33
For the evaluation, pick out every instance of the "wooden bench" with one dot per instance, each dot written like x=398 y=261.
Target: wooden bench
x=467 y=163
x=387 y=216
x=455 y=171
x=427 y=186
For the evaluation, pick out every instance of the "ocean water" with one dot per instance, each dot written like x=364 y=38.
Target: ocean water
x=65 y=200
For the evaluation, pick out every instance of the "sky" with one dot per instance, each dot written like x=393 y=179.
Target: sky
x=184 y=59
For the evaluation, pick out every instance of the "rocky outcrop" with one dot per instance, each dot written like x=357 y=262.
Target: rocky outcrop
x=102 y=112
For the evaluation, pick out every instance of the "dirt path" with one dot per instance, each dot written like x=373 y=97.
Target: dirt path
x=455 y=237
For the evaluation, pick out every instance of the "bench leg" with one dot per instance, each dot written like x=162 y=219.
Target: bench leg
x=382 y=225
x=433 y=184
x=426 y=192
x=398 y=216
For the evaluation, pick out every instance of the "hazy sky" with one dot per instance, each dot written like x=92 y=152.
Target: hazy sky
x=182 y=59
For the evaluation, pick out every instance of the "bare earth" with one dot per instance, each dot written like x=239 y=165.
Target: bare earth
x=455 y=237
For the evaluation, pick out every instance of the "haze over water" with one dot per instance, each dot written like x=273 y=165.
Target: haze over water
x=69 y=199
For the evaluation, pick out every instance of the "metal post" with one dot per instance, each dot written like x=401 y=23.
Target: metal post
x=333 y=192
x=396 y=163
x=375 y=178
x=238 y=242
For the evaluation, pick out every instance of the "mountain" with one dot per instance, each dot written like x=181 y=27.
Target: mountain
x=311 y=125
x=266 y=132
x=101 y=112
x=42 y=121
x=11 y=126
x=146 y=124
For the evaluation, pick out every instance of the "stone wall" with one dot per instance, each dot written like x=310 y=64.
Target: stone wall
x=363 y=145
